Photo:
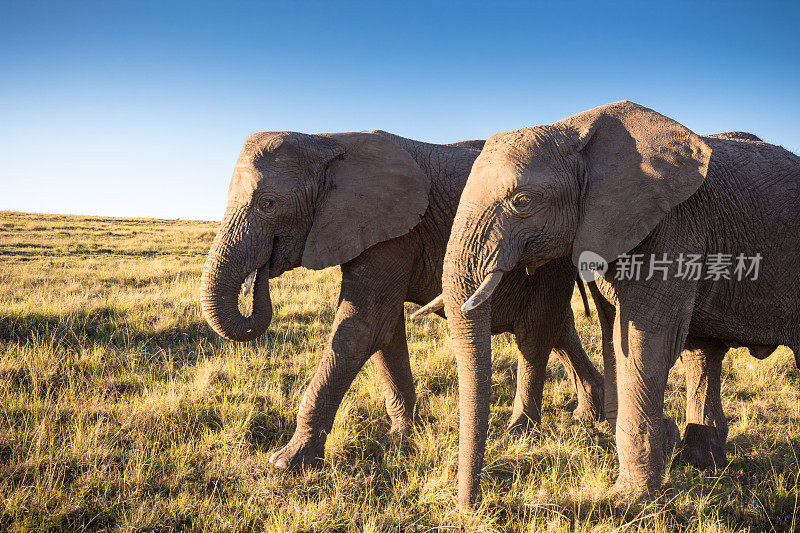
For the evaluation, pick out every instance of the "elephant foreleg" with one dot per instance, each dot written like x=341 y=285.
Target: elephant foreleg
x=369 y=308
x=394 y=369
x=645 y=349
x=703 y=443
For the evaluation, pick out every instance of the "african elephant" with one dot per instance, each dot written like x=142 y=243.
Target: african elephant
x=381 y=206
x=619 y=181
x=703 y=443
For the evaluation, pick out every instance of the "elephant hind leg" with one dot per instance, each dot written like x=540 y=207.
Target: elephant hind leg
x=394 y=369
x=703 y=443
x=586 y=380
x=535 y=342
x=531 y=370
x=606 y=314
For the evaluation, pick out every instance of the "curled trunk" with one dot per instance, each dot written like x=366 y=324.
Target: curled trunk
x=232 y=257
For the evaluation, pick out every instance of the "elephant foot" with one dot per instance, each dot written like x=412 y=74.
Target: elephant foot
x=643 y=487
x=626 y=490
x=590 y=406
x=299 y=455
x=702 y=448
x=630 y=489
x=397 y=436
x=521 y=424
x=588 y=412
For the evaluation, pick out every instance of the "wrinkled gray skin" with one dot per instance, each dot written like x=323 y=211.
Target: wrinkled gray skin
x=382 y=207
x=703 y=443
x=624 y=179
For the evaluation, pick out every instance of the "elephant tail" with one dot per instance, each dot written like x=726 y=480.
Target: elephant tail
x=582 y=290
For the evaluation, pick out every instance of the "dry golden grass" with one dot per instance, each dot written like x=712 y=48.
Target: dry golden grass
x=121 y=410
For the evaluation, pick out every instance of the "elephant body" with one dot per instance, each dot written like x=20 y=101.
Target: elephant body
x=621 y=181
x=749 y=185
x=707 y=427
x=382 y=207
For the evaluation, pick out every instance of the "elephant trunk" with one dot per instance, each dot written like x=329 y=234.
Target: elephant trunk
x=472 y=344
x=470 y=332
x=229 y=262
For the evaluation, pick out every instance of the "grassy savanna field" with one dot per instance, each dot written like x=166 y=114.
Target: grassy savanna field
x=120 y=409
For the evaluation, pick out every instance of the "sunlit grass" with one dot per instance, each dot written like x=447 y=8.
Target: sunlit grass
x=121 y=409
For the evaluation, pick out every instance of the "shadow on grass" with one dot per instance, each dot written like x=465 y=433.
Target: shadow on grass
x=757 y=491
x=306 y=318
x=268 y=429
x=104 y=325
x=42 y=251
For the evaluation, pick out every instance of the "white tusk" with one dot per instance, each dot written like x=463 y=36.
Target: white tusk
x=431 y=307
x=531 y=268
x=248 y=283
x=484 y=291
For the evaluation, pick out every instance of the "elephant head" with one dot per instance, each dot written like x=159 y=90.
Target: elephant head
x=598 y=181
x=311 y=200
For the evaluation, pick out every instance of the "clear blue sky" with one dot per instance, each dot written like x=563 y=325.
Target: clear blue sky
x=140 y=108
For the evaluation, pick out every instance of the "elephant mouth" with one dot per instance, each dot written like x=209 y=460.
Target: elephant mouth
x=249 y=283
x=277 y=262
x=532 y=266
x=273 y=261
x=273 y=267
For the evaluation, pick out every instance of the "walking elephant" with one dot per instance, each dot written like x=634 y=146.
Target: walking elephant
x=381 y=206
x=605 y=187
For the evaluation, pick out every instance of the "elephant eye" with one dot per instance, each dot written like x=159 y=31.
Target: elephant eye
x=522 y=199
x=524 y=203
x=266 y=204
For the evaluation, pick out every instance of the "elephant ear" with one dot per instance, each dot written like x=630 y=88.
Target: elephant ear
x=639 y=165
x=373 y=191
